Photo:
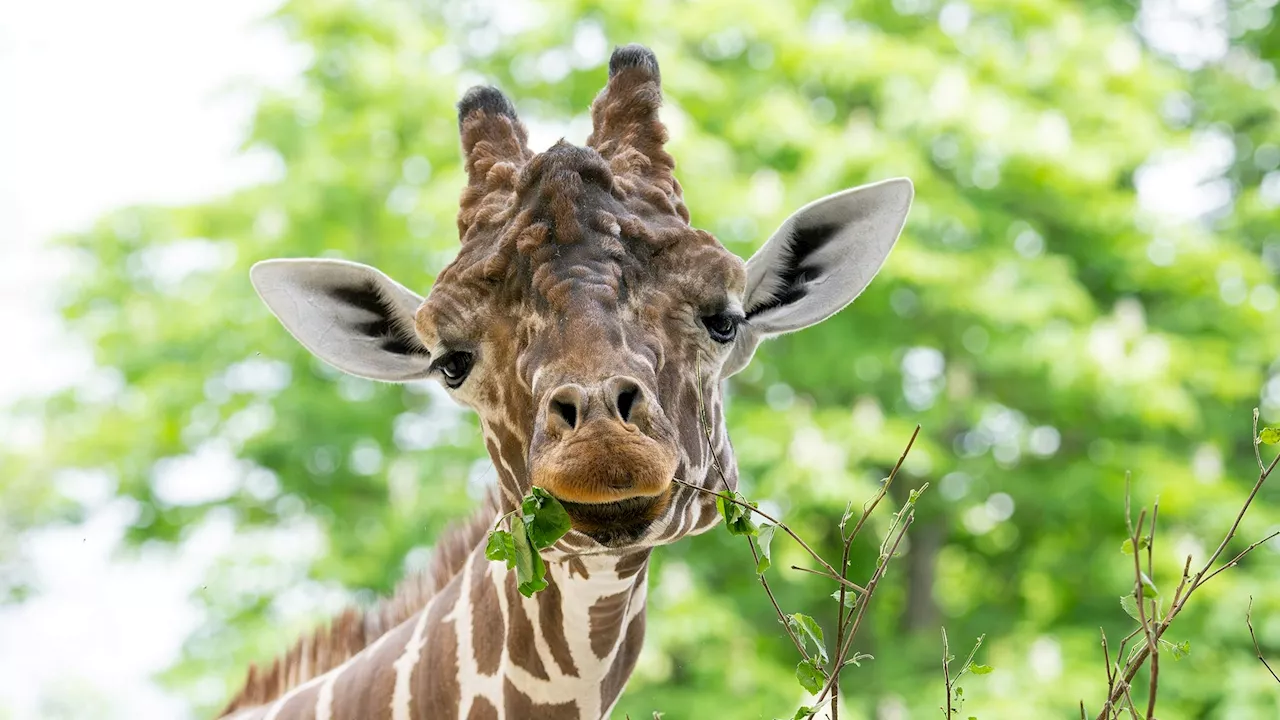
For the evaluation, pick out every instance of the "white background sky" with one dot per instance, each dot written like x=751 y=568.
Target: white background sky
x=102 y=105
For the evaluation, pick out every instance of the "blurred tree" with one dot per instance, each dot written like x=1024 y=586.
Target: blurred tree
x=1086 y=286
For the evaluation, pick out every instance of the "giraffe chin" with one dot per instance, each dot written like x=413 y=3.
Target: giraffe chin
x=618 y=523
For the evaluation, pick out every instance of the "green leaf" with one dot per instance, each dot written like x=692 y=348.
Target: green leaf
x=858 y=657
x=1130 y=605
x=736 y=518
x=804 y=712
x=1270 y=435
x=728 y=510
x=531 y=571
x=1126 y=547
x=1177 y=650
x=977 y=669
x=850 y=598
x=763 y=539
x=1149 y=590
x=810 y=675
x=501 y=547
x=544 y=517
x=809 y=632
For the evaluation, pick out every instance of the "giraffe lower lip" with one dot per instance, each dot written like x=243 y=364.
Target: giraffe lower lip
x=613 y=523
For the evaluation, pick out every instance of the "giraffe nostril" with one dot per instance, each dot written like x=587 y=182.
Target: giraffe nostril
x=567 y=412
x=626 y=400
x=626 y=396
x=566 y=406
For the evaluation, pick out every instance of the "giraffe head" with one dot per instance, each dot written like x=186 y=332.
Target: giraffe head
x=584 y=318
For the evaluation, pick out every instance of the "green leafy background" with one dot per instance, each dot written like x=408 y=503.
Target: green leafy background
x=1052 y=317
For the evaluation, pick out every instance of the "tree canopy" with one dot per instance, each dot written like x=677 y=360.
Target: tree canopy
x=1086 y=288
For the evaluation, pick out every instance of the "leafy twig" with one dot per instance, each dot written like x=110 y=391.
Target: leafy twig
x=751 y=508
x=1186 y=588
x=954 y=698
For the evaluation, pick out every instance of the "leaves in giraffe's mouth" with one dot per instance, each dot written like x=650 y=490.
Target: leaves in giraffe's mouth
x=539 y=523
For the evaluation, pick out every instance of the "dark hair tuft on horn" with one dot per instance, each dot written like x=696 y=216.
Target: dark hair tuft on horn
x=486 y=98
x=634 y=56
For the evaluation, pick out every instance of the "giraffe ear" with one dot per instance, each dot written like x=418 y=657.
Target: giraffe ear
x=351 y=316
x=818 y=261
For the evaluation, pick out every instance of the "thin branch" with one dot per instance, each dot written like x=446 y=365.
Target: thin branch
x=1257 y=450
x=1262 y=477
x=881 y=566
x=843 y=616
x=846 y=583
x=1182 y=584
x=1248 y=620
x=871 y=506
x=946 y=671
x=1235 y=560
x=1106 y=657
x=769 y=591
x=1133 y=710
x=1152 y=644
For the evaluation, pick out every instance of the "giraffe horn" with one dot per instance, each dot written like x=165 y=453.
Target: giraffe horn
x=494 y=146
x=626 y=130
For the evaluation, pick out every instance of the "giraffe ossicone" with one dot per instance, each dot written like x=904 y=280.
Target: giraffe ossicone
x=584 y=319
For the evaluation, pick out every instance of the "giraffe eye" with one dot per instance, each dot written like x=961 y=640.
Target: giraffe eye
x=455 y=367
x=722 y=326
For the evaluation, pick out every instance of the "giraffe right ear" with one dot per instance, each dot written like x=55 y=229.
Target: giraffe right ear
x=818 y=261
x=350 y=315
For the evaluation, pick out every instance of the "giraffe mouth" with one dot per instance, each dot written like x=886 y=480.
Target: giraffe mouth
x=619 y=522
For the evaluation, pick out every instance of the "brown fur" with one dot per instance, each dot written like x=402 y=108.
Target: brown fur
x=353 y=630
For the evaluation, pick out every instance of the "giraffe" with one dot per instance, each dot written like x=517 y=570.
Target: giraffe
x=589 y=325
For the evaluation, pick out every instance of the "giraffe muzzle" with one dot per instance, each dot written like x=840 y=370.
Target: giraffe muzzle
x=606 y=452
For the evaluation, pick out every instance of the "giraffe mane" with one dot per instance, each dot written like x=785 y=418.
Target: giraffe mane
x=354 y=629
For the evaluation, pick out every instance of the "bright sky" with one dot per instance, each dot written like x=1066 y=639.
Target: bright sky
x=107 y=104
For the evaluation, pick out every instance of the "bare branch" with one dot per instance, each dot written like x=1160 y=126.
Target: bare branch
x=782 y=617
x=1248 y=620
x=845 y=583
x=946 y=671
x=1257 y=451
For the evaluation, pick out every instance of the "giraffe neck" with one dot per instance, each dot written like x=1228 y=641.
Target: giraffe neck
x=481 y=651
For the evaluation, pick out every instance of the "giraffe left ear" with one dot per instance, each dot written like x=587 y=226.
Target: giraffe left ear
x=349 y=315
x=818 y=261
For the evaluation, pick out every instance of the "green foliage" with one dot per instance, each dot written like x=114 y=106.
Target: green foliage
x=1270 y=436
x=810 y=634
x=501 y=548
x=1126 y=547
x=544 y=517
x=804 y=712
x=1176 y=650
x=1130 y=605
x=764 y=539
x=810 y=675
x=542 y=521
x=737 y=515
x=531 y=569
x=1049 y=328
